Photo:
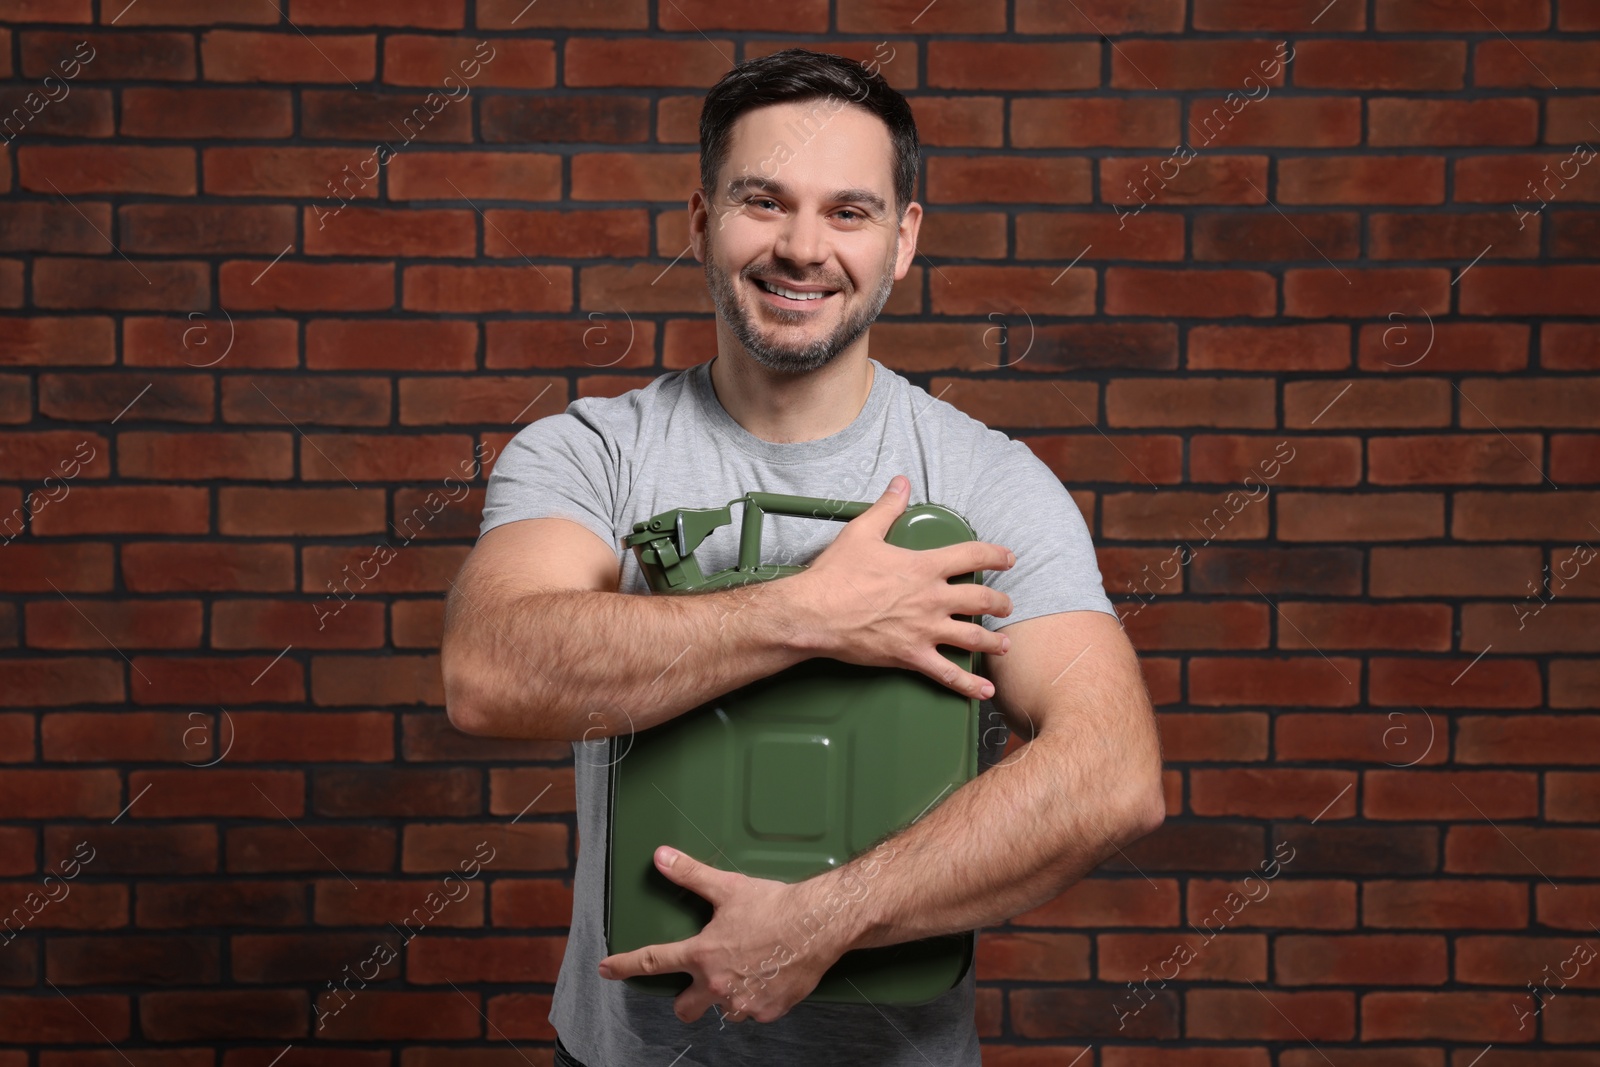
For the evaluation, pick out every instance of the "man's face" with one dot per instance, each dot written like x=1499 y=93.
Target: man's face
x=805 y=203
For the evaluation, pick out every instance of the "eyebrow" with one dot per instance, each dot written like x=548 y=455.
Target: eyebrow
x=769 y=185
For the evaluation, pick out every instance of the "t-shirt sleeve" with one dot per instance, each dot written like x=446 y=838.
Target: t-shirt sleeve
x=1014 y=499
x=561 y=466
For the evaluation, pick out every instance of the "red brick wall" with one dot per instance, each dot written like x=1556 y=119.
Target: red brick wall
x=1363 y=301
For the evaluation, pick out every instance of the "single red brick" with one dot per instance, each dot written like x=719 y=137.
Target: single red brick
x=634 y=176
x=1531 y=291
x=204 y=339
x=1227 y=1014
x=109 y=737
x=1107 y=17
x=397 y=344
x=1469 y=16
x=197 y=229
x=1459 y=459
x=171 y=566
x=474 y=175
x=107 y=169
x=317 y=737
x=1321 y=346
x=212 y=680
x=901 y=16
x=255 y=56
x=693 y=16
x=1030 y=67
x=384 y=457
x=56 y=228
x=1211 y=293
x=993 y=180
x=83 y=339
x=204 y=456
x=1408 y=122
x=1323 y=122
x=562 y=14
x=394 y=567
x=893 y=58
x=193 y=13
x=332 y=175
x=1410 y=1016
x=469 y=289
x=272 y=624
x=73 y=567
x=1537 y=64
x=389 y=232
x=381 y=681
x=1245 y=66
x=47 y=11
x=1419 y=795
x=601 y=340
x=60 y=455
x=94 y=624
x=1265 y=15
x=1367 y=179
x=109 y=56
x=118 y=285
x=364 y=115
x=436 y=14
x=1119 y=122
x=1033 y=957
x=479 y=398
x=622 y=233
x=165 y=509
x=249 y=512
x=1354 y=64
x=504 y=62
x=104 y=396
x=297 y=286
x=62 y=680
x=1360 y=959
x=231 y=114
x=301 y=400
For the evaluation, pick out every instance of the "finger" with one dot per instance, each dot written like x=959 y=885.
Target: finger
x=970 y=598
x=974 y=638
x=881 y=515
x=710 y=882
x=969 y=556
x=652 y=959
x=949 y=675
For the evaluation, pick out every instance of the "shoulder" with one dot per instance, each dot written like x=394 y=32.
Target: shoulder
x=970 y=448
x=615 y=421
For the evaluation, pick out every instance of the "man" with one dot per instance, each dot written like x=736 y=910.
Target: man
x=804 y=219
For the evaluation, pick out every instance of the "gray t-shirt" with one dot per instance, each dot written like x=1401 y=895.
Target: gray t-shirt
x=606 y=463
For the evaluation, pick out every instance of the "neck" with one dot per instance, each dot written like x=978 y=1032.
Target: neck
x=788 y=408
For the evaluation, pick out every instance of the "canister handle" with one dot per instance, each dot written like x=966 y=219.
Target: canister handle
x=759 y=505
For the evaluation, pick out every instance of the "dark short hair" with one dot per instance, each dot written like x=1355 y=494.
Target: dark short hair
x=797 y=75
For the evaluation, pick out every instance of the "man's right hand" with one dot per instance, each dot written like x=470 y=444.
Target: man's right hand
x=865 y=601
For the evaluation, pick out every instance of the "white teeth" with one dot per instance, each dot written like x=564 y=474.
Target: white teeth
x=790 y=293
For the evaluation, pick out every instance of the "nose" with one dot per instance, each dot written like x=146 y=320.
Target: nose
x=801 y=240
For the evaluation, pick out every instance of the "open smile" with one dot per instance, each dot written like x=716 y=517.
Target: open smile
x=780 y=295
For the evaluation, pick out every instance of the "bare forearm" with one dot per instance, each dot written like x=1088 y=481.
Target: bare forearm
x=1004 y=843
x=574 y=664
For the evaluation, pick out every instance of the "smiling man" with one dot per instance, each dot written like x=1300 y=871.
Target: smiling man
x=804 y=220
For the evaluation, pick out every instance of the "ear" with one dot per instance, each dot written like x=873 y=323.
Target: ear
x=910 y=227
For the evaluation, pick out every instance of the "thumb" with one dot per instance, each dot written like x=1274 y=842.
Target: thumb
x=887 y=508
x=685 y=870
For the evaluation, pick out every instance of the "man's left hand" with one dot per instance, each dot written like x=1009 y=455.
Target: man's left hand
x=756 y=957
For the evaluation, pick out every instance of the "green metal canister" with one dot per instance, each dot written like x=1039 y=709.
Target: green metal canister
x=789 y=775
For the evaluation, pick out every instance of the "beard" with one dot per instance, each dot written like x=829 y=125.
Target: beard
x=792 y=359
